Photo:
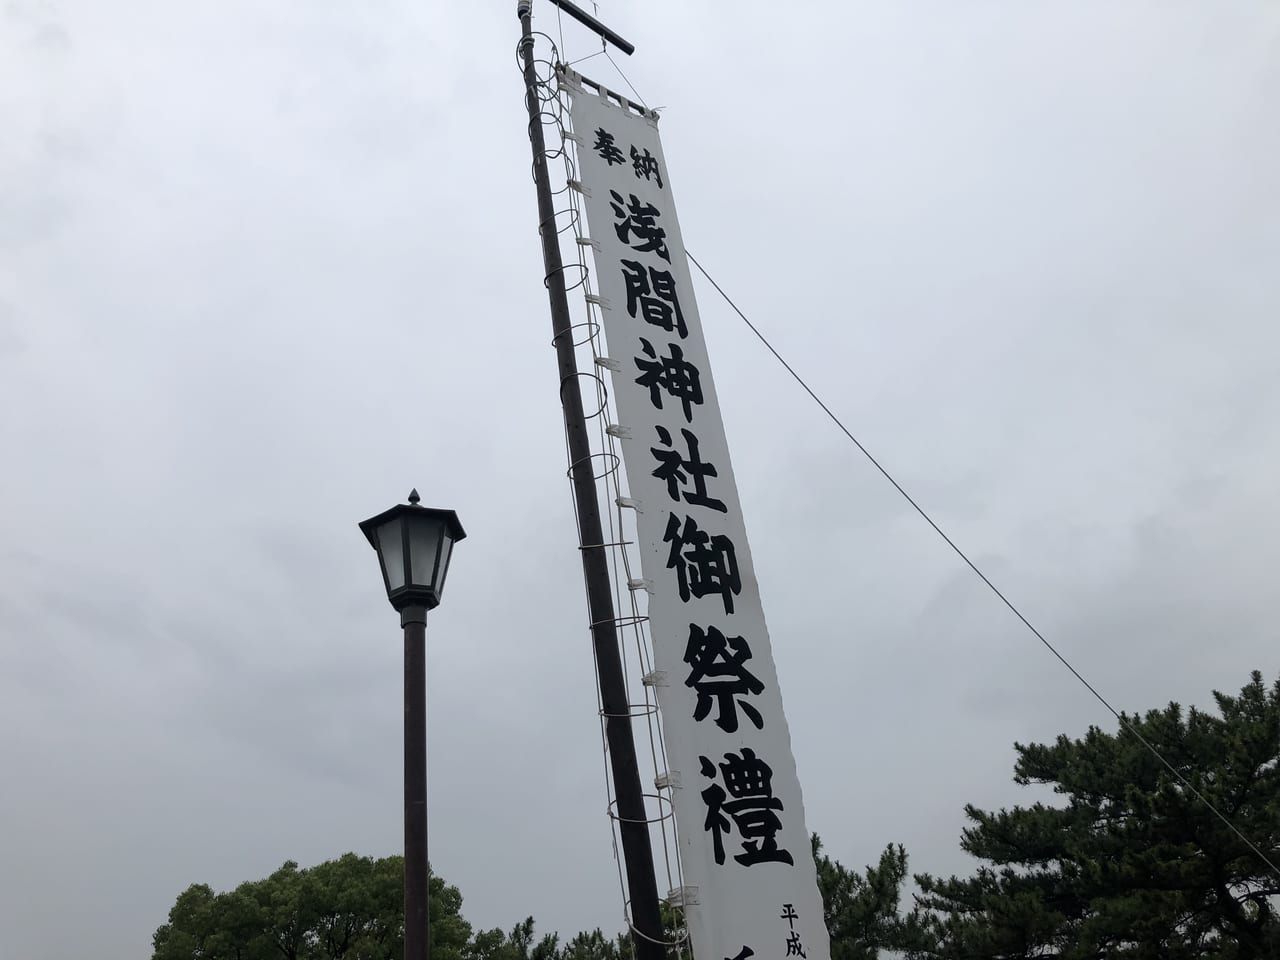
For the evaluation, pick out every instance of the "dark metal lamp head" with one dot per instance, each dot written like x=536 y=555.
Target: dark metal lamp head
x=414 y=544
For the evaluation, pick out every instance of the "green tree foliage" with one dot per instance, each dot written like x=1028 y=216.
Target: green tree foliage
x=520 y=944
x=596 y=946
x=1131 y=866
x=351 y=908
x=861 y=911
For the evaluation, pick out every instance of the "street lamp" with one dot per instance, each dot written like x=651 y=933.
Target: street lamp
x=414 y=545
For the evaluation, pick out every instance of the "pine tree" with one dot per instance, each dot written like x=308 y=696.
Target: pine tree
x=1132 y=865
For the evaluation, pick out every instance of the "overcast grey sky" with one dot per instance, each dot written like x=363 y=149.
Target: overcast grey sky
x=266 y=265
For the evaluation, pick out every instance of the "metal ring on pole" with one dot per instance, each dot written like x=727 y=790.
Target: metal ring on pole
x=532 y=40
x=567 y=187
x=547 y=94
x=550 y=83
x=610 y=462
x=557 y=124
x=683 y=941
x=556 y=120
x=571 y=265
x=570 y=218
x=612 y=545
x=593 y=329
x=549 y=155
x=661 y=817
x=634 y=712
x=602 y=397
x=538 y=63
x=621 y=622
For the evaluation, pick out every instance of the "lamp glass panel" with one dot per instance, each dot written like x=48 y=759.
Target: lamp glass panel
x=444 y=564
x=424 y=538
x=391 y=549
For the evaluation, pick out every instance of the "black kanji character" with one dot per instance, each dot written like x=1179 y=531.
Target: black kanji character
x=607 y=149
x=646 y=165
x=748 y=780
x=789 y=914
x=640 y=219
x=716 y=822
x=654 y=294
x=679 y=472
x=794 y=947
x=674 y=374
x=704 y=564
x=717 y=673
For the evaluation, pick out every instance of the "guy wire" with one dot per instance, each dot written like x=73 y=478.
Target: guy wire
x=1124 y=721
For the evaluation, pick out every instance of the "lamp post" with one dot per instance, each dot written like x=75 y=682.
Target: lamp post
x=414 y=544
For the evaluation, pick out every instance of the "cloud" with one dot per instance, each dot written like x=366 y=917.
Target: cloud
x=267 y=268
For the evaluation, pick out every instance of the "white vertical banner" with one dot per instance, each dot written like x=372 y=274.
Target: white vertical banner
x=739 y=814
